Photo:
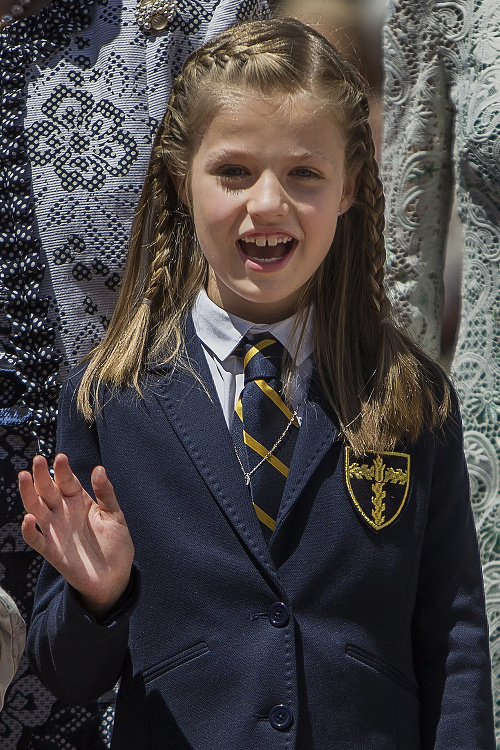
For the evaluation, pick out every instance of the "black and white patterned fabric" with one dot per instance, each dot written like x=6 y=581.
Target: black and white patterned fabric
x=442 y=144
x=82 y=88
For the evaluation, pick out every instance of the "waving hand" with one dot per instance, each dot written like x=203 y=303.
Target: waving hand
x=87 y=542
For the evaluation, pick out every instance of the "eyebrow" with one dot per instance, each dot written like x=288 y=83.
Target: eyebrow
x=237 y=154
x=311 y=155
x=226 y=155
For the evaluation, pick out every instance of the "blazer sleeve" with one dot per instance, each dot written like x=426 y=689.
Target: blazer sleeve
x=450 y=630
x=75 y=656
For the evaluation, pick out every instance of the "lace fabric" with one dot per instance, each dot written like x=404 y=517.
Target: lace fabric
x=442 y=142
x=81 y=91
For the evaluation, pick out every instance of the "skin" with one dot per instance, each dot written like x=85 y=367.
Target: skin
x=87 y=542
x=267 y=171
x=266 y=186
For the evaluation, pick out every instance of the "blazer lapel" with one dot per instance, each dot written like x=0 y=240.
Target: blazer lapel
x=194 y=412
x=316 y=436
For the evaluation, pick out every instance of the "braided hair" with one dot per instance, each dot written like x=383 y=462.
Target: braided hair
x=366 y=365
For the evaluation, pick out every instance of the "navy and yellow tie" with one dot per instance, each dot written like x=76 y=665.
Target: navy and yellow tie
x=264 y=429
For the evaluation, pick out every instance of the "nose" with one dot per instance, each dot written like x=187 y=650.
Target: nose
x=267 y=197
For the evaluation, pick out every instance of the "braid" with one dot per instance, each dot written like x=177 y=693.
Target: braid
x=373 y=199
x=162 y=230
x=366 y=370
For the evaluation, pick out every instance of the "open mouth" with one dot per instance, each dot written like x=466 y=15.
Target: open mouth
x=268 y=249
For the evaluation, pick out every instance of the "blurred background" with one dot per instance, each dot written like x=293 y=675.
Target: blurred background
x=355 y=27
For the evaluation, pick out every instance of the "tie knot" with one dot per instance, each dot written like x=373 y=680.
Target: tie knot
x=262 y=358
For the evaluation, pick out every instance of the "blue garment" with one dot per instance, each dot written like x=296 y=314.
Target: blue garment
x=358 y=627
x=82 y=88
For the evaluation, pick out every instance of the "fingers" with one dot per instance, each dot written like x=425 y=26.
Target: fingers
x=64 y=477
x=40 y=496
x=38 y=492
x=41 y=492
x=104 y=492
x=29 y=496
x=31 y=535
x=44 y=485
x=28 y=493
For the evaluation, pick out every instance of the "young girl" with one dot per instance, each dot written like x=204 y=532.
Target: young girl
x=304 y=570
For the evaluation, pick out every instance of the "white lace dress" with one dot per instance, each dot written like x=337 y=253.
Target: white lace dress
x=442 y=142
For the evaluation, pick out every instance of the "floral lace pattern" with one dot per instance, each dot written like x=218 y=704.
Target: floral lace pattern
x=81 y=91
x=85 y=143
x=443 y=114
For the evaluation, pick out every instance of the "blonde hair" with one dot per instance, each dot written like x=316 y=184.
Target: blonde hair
x=380 y=386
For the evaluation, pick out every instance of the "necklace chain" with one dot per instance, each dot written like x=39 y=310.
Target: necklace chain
x=248 y=474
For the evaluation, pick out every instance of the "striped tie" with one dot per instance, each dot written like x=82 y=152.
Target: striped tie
x=264 y=429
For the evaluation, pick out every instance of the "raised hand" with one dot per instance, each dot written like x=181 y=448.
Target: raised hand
x=87 y=542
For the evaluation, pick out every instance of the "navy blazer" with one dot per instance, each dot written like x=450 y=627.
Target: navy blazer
x=353 y=630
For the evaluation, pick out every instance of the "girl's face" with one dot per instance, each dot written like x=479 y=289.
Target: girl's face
x=266 y=185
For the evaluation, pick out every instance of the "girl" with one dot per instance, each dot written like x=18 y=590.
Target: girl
x=305 y=572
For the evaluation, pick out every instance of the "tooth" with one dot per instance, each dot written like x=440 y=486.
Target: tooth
x=273 y=241
x=260 y=241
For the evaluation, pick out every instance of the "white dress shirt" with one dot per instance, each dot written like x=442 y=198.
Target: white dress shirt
x=220 y=333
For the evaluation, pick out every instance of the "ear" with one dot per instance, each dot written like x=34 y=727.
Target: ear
x=351 y=187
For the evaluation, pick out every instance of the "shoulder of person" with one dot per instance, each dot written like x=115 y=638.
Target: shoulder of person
x=12 y=640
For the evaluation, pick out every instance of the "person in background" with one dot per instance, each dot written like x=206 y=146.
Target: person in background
x=354 y=27
x=83 y=85
x=292 y=560
x=442 y=136
x=12 y=639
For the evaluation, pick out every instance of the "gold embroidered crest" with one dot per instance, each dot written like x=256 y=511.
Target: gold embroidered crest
x=378 y=486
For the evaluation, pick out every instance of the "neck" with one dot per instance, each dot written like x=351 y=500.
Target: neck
x=256 y=312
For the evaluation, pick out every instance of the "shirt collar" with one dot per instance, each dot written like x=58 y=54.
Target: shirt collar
x=221 y=332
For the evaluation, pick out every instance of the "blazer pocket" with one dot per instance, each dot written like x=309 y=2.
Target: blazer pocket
x=364 y=657
x=157 y=670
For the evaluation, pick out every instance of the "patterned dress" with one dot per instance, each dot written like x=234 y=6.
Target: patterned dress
x=442 y=142
x=82 y=88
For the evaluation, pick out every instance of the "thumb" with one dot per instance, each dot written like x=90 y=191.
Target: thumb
x=104 y=492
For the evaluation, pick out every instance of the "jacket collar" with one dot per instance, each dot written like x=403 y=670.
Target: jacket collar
x=192 y=408
x=318 y=432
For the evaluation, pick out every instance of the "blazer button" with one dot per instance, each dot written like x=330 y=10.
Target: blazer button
x=280 y=717
x=278 y=614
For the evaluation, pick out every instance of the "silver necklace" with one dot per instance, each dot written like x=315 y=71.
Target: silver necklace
x=248 y=474
x=154 y=14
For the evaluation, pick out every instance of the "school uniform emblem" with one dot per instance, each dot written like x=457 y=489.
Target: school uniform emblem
x=378 y=484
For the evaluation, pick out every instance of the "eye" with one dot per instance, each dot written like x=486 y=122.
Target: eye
x=306 y=173
x=232 y=177
x=231 y=171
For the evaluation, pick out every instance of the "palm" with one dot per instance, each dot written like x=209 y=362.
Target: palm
x=87 y=542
